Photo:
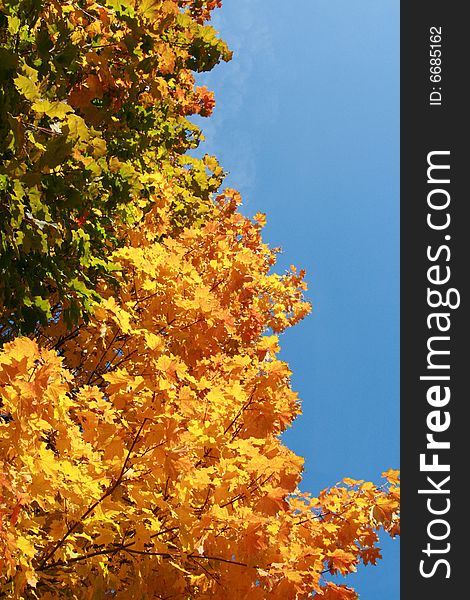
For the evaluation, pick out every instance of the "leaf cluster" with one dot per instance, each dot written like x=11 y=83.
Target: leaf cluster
x=94 y=99
x=141 y=452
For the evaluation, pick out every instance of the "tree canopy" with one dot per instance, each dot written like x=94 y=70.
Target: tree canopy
x=95 y=98
x=142 y=399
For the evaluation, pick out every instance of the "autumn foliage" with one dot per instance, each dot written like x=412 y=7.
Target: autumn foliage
x=141 y=418
x=94 y=97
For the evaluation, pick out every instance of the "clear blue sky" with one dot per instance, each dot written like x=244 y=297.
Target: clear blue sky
x=307 y=124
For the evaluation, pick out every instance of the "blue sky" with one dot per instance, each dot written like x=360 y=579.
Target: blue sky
x=307 y=124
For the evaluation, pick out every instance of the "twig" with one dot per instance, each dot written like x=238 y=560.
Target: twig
x=89 y=510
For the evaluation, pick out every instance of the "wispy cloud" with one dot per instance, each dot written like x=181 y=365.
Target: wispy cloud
x=243 y=25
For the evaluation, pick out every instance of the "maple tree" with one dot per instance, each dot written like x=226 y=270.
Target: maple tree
x=142 y=451
x=94 y=97
x=140 y=421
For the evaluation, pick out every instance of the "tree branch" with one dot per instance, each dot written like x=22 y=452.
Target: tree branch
x=89 y=510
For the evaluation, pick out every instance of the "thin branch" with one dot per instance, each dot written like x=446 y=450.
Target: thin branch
x=108 y=347
x=65 y=338
x=211 y=575
x=190 y=556
x=163 y=531
x=101 y=552
x=89 y=510
x=242 y=410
